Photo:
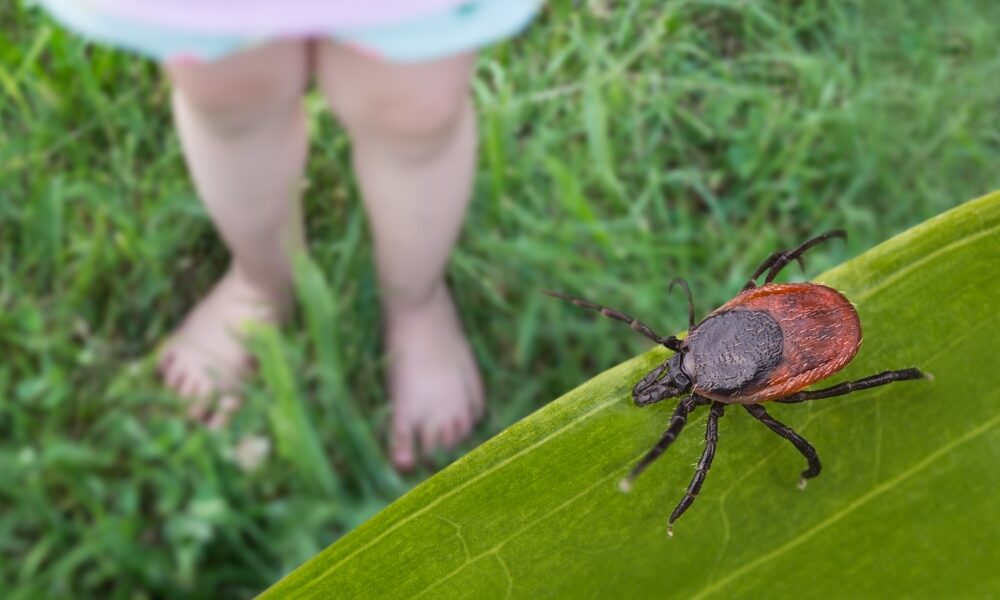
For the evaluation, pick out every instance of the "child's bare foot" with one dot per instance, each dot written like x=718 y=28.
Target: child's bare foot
x=204 y=360
x=434 y=383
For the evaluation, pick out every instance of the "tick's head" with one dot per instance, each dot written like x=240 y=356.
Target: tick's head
x=666 y=381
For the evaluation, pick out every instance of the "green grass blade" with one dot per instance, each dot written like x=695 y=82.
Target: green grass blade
x=354 y=436
x=297 y=440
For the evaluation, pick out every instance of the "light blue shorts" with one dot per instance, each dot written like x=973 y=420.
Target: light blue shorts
x=472 y=25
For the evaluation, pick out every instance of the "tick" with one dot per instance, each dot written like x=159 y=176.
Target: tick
x=768 y=343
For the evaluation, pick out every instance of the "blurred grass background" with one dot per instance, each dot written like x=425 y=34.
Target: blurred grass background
x=623 y=143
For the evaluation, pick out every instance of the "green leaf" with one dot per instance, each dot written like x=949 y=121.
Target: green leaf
x=906 y=504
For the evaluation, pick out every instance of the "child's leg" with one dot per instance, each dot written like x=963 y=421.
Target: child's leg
x=243 y=130
x=414 y=146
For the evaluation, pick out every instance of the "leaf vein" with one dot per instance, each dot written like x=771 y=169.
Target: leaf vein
x=506 y=570
x=444 y=496
x=458 y=534
x=495 y=549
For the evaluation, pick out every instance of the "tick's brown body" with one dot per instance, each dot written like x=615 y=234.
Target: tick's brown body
x=820 y=333
x=767 y=344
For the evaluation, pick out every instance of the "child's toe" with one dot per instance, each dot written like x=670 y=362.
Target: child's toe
x=197 y=409
x=401 y=450
x=197 y=388
x=188 y=387
x=226 y=406
x=449 y=436
x=164 y=364
x=460 y=429
x=429 y=438
x=175 y=378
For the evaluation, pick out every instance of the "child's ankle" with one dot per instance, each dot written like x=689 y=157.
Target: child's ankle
x=403 y=303
x=276 y=287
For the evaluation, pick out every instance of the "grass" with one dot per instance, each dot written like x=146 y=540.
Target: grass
x=623 y=143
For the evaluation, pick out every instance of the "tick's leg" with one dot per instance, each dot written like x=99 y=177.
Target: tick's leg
x=768 y=262
x=687 y=290
x=791 y=255
x=676 y=425
x=852 y=386
x=650 y=392
x=779 y=258
x=800 y=443
x=711 y=438
x=637 y=325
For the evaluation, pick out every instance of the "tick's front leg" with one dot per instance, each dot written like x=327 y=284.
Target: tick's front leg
x=711 y=439
x=648 y=391
x=677 y=422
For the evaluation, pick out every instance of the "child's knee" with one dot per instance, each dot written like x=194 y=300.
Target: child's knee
x=237 y=92
x=424 y=115
x=409 y=103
